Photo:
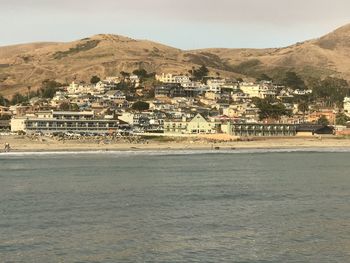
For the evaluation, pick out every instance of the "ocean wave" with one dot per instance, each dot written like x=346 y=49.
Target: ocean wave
x=177 y=152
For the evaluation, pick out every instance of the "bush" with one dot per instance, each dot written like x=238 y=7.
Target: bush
x=3 y=101
x=140 y=106
x=48 y=88
x=95 y=80
x=323 y=120
x=18 y=99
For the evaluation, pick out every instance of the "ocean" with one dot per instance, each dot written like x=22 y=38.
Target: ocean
x=176 y=206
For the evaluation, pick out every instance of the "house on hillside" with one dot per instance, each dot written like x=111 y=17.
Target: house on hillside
x=170 y=78
x=115 y=95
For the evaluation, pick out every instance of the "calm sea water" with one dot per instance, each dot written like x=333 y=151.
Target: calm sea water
x=175 y=207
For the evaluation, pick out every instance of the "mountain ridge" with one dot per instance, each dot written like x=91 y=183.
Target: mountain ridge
x=29 y=64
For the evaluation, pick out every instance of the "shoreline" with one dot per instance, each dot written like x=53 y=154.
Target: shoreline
x=23 y=144
x=181 y=151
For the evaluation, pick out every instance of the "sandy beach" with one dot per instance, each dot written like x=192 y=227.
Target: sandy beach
x=39 y=144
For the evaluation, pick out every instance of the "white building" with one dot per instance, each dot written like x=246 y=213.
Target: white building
x=302 y=92
x=134 y=79
x=75 y=89
x=112 y=80
x=161 y=106
x=59 y=98
x=198 y=125
x=170 y=78
x=215 y=85
x=115 y=95
x=346 y=105
x=100 y=88
x=63 y=121
x=262 y=90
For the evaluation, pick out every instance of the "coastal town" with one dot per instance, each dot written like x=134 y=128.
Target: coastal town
x=161 y=131
x=169 y=104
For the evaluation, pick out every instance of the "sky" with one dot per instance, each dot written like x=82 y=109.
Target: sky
x=185 y=24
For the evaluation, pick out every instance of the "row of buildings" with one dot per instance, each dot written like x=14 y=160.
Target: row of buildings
x=86 y=123
x=178 y=106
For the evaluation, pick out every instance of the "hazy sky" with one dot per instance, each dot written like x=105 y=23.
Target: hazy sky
x=186 y=24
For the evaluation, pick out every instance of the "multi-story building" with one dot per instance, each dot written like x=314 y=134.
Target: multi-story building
x=198 y=125
x=259 y=129
x=170 y=78
x=175 y=90
x=143 y=121
x=261 y=90
x=75 y=89
x=170 y=91
x=63 y=121
x=215 y=85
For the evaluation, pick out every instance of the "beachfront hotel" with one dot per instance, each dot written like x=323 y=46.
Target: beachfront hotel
x=63 y=121
x=198 y=125
x=261 y=129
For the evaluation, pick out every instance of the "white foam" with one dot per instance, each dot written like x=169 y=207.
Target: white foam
x=177 y=152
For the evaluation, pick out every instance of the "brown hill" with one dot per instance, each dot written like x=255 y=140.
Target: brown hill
x=106 y=55
x=326 y=56
x=102 y=55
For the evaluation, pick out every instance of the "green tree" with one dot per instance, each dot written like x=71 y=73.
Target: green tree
x=140 y=106
x=303 y=107
x=5 y=117
x=18 y=98
x=64 y=106
x=48 y=88
x=292 y=80
x=265 y=77
x=124 y=74
x=29 y=88
x=323 y=120
x=150 y=94
x=94 y=80
x=74 y=107
x=269 y=109
x=3 y=101
x=331 y=91
x=124 y=85
x=141 y=73
x=341 y=119
x=200 y=73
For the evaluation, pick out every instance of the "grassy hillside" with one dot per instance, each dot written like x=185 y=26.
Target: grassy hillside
x=106 y=55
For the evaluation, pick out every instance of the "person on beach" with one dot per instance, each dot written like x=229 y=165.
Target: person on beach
x=7 y=147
